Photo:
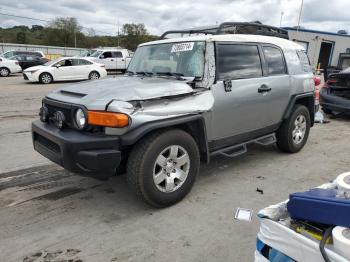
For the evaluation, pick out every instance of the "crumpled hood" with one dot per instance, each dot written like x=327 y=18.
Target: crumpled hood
x=95 y=95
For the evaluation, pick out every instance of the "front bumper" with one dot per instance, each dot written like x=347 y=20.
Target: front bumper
x=29 y=76
x=335 y=103
x=76 y=151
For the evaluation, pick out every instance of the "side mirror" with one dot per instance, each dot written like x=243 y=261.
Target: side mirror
x=102 y=57
x=58 y=66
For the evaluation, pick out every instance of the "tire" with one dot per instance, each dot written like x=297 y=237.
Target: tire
x=294 y=131
x=94 y=75
x=45 y=78
x=152 y=156
x=4 y=72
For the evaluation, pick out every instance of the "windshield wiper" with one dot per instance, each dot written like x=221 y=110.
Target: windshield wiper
x=144 y=73
x=177 y=75
x=130 y=73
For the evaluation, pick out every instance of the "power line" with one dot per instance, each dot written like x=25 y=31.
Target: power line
x=42 y=20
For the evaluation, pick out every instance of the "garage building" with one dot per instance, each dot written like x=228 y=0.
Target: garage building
x=323 y=48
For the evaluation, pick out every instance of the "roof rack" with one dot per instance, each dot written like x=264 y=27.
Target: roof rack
x=252 y=28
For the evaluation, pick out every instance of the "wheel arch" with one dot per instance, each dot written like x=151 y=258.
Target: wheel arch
x=193 y=124
x=5 y=67
x=45 y=72
x=306 y=99
x=94 y=71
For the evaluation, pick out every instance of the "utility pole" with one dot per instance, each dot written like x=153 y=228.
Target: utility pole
x=300 y=12
x=282 y=13
x=75 y=38
x=118 y=32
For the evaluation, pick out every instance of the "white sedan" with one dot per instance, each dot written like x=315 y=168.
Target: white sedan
x=8 y=67
x=64 y=69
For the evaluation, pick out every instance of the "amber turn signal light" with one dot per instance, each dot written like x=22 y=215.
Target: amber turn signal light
x=107 y=119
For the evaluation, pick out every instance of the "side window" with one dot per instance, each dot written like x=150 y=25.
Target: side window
x=304 y=61
x=106 y=55
x=237 y=61
x=117 y=54
x=274 y=59
x=65 y=62
x=83 y=62
x=30 y=58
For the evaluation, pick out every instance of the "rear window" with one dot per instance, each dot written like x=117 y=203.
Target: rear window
x=274 y=59
x=236 y=61
x=304 y=61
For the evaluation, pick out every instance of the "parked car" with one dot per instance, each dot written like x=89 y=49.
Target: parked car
x=8 y=67
x=113 y=59
x=64 y=69
x=26 y=61
x=12 y=53
x=182 y=101
x=335 y=94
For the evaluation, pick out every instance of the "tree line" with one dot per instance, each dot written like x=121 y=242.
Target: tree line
x=67 y=32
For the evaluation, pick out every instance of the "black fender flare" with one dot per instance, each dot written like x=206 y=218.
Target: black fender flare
x=200 y=133
x=309 y=97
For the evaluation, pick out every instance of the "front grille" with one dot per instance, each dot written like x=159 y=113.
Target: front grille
x=48 y=143
x=67 y=109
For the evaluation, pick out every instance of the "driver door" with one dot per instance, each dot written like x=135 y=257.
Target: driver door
x=64 y=70
x=108 y=60
x=241 y=104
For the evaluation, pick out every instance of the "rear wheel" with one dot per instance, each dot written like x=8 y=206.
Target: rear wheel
x=4 y=72
x=294 y=131
x=163 y=166
x=45 y=78
x=94 y=75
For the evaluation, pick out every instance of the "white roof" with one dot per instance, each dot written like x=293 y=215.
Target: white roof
x=282 y=43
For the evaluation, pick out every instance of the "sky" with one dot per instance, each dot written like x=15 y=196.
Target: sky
x=161 y=15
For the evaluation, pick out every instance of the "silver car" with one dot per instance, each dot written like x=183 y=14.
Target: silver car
x=182 y=101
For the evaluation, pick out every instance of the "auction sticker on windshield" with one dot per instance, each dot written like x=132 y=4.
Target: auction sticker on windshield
x=182 y=47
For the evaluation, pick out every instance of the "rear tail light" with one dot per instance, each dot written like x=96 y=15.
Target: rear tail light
x=331 y=82
x=317 y=80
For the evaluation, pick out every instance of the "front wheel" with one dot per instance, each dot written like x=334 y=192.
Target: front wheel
x=45 y=78
x=163 y=166
x=294 y=131
x=4 y=72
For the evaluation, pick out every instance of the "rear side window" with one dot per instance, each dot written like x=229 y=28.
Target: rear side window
x=304 y=61
x=236 y=61
x=82 y=62
x=274 y=59
x=117 y=54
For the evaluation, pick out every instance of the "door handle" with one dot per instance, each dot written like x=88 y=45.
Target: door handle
x=112 y=59
x=264 y=89
x=123 y=60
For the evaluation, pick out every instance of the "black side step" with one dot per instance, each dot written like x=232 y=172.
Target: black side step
x=236 y=150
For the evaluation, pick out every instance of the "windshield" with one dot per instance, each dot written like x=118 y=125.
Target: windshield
x=8 y=54
x=96 y=54
x=49 y=63
x=184 y=58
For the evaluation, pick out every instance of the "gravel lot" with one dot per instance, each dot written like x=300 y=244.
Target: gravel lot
x=45 y=211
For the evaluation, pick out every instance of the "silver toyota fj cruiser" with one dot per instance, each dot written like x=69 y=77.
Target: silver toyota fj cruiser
x=208 y=92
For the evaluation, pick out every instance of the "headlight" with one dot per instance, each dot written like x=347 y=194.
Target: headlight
x=80 y=118
x=30 y=72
